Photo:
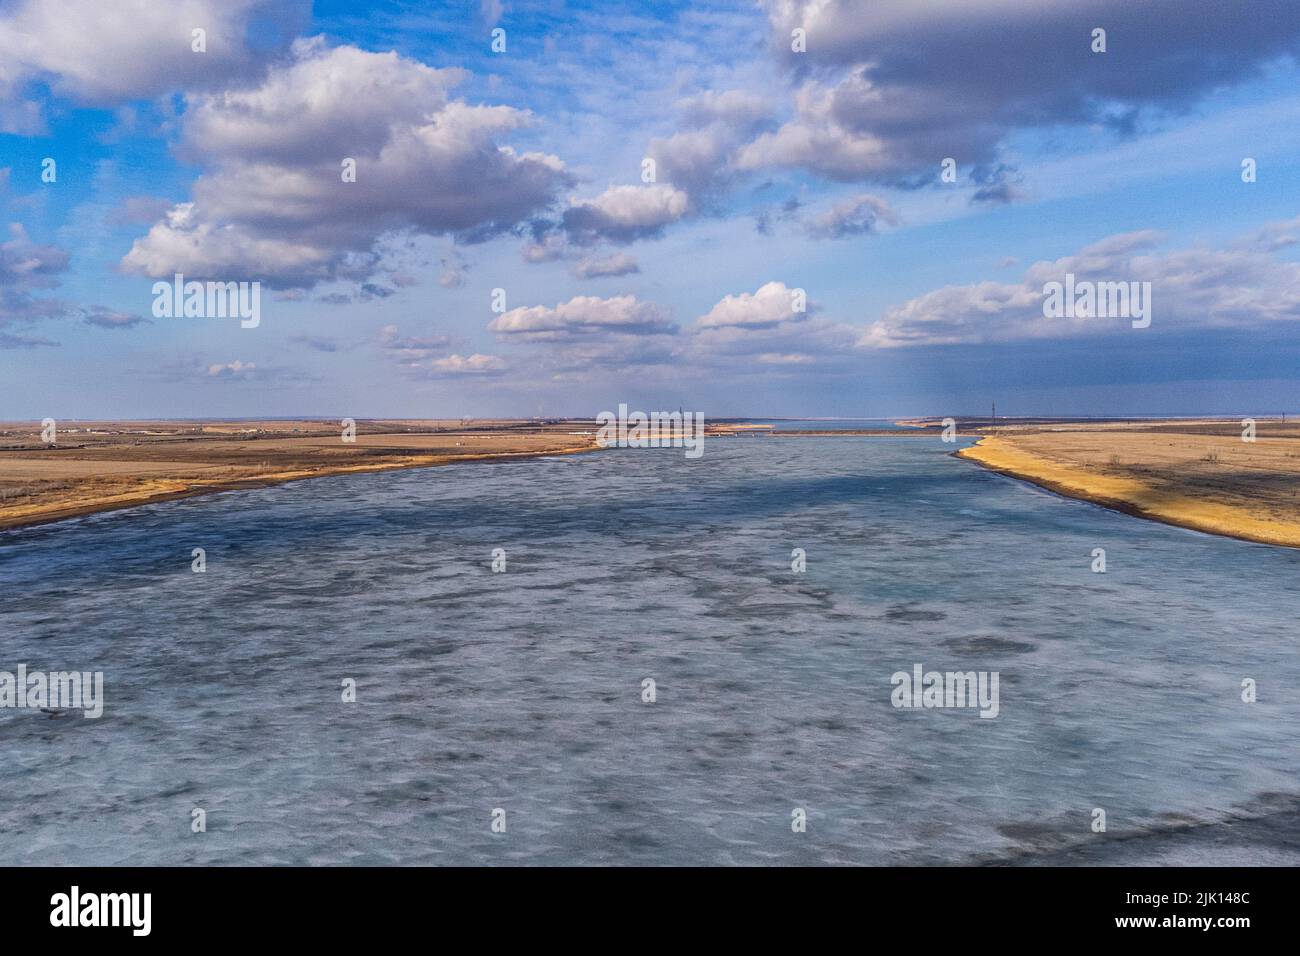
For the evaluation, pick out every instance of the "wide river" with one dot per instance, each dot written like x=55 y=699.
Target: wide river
x=522 y=691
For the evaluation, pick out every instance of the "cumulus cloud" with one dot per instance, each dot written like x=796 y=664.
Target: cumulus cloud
x=1242 y=286
x=476 y=364
x=107 y=53
x=273 y=205
x=820 y=140
x=619 y=264
x=699 y=157
x=892 y=87
x=232 y=370
x=625 y=213
x=743 y=334
x=855 y=216
x=584 y=316
x=773 y=304
x=589 y=335
x=762 y=329
x=697 y=160
x=547 y=249
x=692 y=169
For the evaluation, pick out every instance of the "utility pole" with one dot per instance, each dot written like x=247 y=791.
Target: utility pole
x=995 y=411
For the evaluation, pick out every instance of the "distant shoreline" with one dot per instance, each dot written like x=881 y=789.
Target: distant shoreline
x=1195 y=474
x=127 y=501
x=113 y=475
x=1164 y=496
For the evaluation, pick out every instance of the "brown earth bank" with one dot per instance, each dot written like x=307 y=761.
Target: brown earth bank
x=104 y=465
x=100 y=466
x=1197 y=474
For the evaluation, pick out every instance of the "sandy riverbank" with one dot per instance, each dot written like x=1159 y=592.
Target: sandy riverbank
x=104 y=466
x=1198 y=475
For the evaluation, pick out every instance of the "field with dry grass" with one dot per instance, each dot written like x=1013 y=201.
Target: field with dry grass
x=98 y=466
x=1195 y=474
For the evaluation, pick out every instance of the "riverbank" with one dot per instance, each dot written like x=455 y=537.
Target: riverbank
x=107 y=466
x=1197 y=475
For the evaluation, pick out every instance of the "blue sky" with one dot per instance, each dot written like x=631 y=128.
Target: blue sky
x=522 y=171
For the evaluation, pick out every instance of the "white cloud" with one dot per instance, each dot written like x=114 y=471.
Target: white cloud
x=625 y=213
x=1241 y=286
x=894 y=86
x=619 y=264
x=236 y=369
x=273 y=204
x=106 y=53
x=751 y=330
x=771 y=305
x=549 y=249
x=700 y=158
x=584 y=316
x=818 y=140
x=475 y=364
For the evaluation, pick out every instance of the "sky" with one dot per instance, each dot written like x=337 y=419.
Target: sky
x=747 y=209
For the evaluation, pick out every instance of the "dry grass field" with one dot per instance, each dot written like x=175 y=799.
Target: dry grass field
x=1196 y=474
x=97 y=466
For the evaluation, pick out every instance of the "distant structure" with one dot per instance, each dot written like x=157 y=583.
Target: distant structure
x=995 y=411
